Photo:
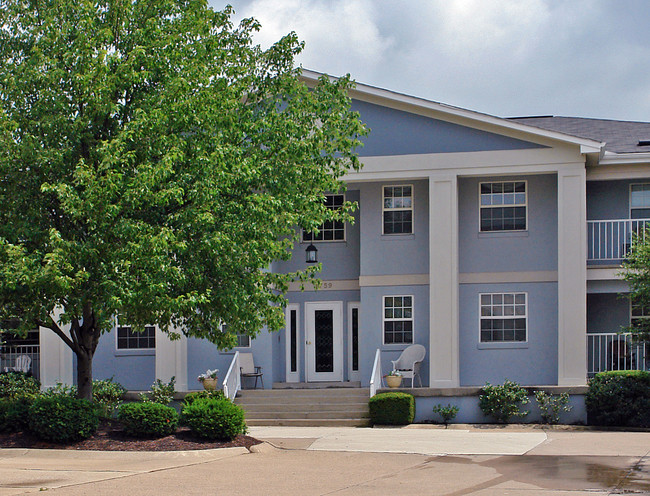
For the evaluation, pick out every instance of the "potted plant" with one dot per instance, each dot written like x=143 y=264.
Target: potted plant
x=208 y=379
x=393 y=379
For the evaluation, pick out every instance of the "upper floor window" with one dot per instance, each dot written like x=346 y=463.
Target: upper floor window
x=640 y=201
x=331 y=230
x=503 y=206
x=398 y=319
x=128 y=339
x=503 y=317
x=398 y=209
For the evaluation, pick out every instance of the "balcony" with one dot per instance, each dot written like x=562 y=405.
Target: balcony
x=9 y=354
x=609 y=240
x=613 y=351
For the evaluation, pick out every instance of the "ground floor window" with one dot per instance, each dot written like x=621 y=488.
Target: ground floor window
x=243 y=340
x=398 y=319
x=128 y=339
x=503 y=317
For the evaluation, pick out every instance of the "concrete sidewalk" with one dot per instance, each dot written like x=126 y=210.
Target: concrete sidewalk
x=354 y=462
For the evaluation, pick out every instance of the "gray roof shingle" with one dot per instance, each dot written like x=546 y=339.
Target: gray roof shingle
x=619 y=136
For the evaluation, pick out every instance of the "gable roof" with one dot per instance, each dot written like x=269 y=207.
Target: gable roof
x=619 y=136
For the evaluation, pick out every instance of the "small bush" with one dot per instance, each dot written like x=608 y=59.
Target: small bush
x=392 y=408
x=447 y=413
x=619 y=398
x=107 y=395
x=148 y=419
x=214 y=418
x=14 y=414
x=18 y=385
x=60 y=389
x=61 y=419
x=215 y=395
x=551 y=405
x=160 y=393
x=503 y=402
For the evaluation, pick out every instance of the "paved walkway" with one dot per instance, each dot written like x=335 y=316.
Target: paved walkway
x=354 y=462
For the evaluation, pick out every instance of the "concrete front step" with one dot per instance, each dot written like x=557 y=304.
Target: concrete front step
x=307 y=415
x=361 y=422
x=320 y=407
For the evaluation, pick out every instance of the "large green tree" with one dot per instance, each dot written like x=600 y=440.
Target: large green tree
x=636 y=271
x=154 y=162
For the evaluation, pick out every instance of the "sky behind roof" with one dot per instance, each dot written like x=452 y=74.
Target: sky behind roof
x=580 y=58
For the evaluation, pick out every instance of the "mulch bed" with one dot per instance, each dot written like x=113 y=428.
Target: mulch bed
x=111 y=437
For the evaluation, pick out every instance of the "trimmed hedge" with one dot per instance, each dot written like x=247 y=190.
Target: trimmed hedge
x=18 y=385
x=62 y=419
x=214 y=418
x=392 y=408
x=148 y=419
x=619 y=398
x=14 y=414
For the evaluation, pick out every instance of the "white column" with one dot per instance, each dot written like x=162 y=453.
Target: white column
x=171 y=359
x=572 y=278
x=55 y=358
x=443 y=281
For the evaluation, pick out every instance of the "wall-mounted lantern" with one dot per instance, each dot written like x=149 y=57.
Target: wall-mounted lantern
x=311 y=253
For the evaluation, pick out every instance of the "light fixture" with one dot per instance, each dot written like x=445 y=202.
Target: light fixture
x=311 y=253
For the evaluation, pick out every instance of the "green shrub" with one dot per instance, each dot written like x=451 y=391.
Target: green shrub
x=215 y=395
x=60 y=389
x=148 y=419
x=61 y=419
x=620 y=398
x=551 y=405
x=18 y=385
x=214 y=418
x=161 y=393
x=14 y=413
x=392 y=408
x=503 y=402
x=107 y=395
x=446 y=412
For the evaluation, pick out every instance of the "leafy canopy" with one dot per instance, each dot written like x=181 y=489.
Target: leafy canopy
x=154 y=162
x=636 y=271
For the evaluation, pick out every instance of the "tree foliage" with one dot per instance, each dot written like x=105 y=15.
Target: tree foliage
x=154 y=162
x=636 y=271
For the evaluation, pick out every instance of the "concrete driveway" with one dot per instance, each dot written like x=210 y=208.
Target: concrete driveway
x=321 y=461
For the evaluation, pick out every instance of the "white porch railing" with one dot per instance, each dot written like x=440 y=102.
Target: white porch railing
x=8 y=355
x=232 y=381
x=611 y=239
x=376 y=377
x=612 y=351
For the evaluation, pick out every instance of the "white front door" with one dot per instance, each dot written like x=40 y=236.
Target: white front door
x=324 y=341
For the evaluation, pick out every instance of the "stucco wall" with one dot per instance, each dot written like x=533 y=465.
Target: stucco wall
x=609 y=199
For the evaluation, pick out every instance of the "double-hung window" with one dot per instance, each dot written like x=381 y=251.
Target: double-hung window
x=398 y=209
x=503 y=206
x=398 y=319
x=128 y=339
x=503 y=317
x=243 y=340
x=640 y=201
x=331 y=230
x=639 y=316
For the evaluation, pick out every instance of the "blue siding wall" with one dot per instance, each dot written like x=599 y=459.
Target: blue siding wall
x=533 y=250
x=395 y=132
x=609 y=199
x=340 y=260
x=607 y=312
x=134 y=369
x=371 y=329
x=393 y=254
x=534 y=364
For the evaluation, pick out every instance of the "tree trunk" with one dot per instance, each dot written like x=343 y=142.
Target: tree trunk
x=85 y=375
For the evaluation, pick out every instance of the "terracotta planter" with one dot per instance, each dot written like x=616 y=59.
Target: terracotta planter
x=210 y=384
x=394 y=381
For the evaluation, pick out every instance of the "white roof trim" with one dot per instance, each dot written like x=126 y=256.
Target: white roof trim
x=611 y=158
x=586 y=145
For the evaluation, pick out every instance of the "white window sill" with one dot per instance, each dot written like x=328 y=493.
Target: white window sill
x=503 y=345
x=397 y=237
x=503 y=234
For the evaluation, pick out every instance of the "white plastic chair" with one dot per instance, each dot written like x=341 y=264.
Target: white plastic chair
x=409 y=362
x=248 y=368
x=22 y=363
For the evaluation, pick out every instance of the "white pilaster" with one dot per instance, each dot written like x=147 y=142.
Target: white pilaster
x=443 y=282
x=55 y=358
x=572 y=278
x=171 y=359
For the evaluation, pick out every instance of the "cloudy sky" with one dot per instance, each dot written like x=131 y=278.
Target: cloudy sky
x=585 y=58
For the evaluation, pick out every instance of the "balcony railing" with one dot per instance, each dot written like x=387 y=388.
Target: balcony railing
x=610 y=240
x=612 y=351
x=10 y=354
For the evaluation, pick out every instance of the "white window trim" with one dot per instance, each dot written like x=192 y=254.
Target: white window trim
x=384 y=320
x=403 y=209
x=295 y=375
x=629 y=198
x=345 y=229
x=481 y=318
x=525 y=205
x=354 y=375
x=131 y=350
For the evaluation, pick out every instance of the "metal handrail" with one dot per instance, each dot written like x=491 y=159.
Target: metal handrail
x=612 y=239
x=616 y=351
x=376 y=380
x=232 y=381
